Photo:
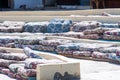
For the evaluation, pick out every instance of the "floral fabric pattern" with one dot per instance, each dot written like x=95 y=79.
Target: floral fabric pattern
x=13 y=56
x=11 y=26
x=85 y=25
x=36 y=27
x=59 y=26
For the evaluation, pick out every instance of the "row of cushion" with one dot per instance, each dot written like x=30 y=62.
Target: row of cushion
x=53 y=26
x=90 y=50
x=25 y=69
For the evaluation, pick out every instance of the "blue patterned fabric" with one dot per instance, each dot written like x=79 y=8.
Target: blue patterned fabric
x=113 y=56
x=59 y=26
x=31 y=54
x=36 y=27
x=82 y=53
x=110 y=50
x=29 y=40
x=70 y=46
x=7 y=39
x=37 y=47
x=96 y=31
x=80 y=46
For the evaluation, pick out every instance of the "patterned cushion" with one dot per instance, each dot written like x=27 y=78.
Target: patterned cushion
x=92 y=36
x=115 y=32
x=29 y=40
x=99 y=55
x=113 y=56
x=32 y=63
x=111 y=37
x=82 y=53
x=81 y=46
x=13 y=56
x=31 y=54
x=12 y=26
x=54 y=42
x=6 y=63
x=35 y=27
x=59 y=26
x=96 y=31
x=110 y=50
x=85 y=25
x=14 y=67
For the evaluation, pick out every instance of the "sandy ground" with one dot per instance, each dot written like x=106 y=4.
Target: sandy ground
x=92 y=70
x=58 y=12
x=47 y=15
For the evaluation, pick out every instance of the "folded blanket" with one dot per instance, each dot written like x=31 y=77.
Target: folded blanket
x=14 y=67
x=22 y=71
x=12 y=26
x=68 y=46
x=111 y=37
x=85 y=25
x=31 y=53
x=68 y=52
x=54 y=42
x=8 y=39
x=27 y=72
x=82 y=53
x=113 y=56
x=11 y=74
x=97 y=30
x=115 y=32
x=59 y=26
x=13 y=56
x=73 y=34
x=32 y=63
x=81 y=46
x=37 y=47
x=110 y=50
x=13 y=23
x=36 y=27
x=29 y=40
x=6 y=63
x=99 y=55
